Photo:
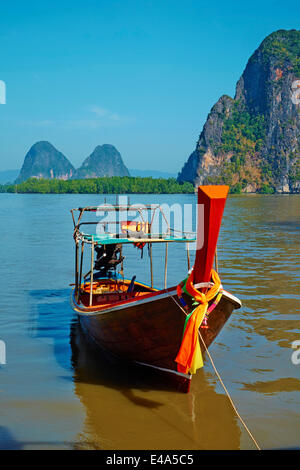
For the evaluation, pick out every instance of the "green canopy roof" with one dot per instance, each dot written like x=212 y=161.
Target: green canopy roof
x=108 y=239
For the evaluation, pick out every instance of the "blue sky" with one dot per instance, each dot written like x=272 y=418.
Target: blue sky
x=139 y=74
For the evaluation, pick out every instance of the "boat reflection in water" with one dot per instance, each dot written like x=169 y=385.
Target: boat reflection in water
x=128 y=407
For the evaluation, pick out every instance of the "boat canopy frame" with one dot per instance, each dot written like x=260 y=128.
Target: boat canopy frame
x=107 y=238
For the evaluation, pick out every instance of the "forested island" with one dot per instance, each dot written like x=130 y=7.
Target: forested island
x=104 y=185
x=109 y=185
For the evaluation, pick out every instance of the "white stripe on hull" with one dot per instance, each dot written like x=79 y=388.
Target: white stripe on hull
x=163 y=369
x=142 y=301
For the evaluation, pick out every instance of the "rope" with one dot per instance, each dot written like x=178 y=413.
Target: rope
x=222 y=383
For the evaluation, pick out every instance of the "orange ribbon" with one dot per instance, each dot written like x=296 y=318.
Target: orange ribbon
x=189 y=357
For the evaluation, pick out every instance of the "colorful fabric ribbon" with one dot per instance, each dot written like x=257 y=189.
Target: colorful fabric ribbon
x=189 y=357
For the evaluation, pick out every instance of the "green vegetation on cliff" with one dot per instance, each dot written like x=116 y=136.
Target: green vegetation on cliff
x=285 y=47
x=109 y=185
x=242 y=137
x=251 y=141
x=242 y=132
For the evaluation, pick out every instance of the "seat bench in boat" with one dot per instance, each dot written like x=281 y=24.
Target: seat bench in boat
x=111 y=291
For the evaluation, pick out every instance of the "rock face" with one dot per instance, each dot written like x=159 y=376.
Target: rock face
x=104 y=161
x=252 y=142
x=45 y=161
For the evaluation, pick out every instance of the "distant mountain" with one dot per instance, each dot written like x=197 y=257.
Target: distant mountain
x=8 y=176
x=152 y=173
x=105 y=160
x=45 y=161
x=252 y=142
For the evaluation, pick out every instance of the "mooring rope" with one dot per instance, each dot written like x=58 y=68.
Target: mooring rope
x=222 y=383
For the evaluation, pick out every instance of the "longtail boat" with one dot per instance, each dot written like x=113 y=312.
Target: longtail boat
x=166 y=329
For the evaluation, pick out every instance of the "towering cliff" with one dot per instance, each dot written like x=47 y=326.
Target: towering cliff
x=105 y=160
x=45 y=161
x=252 y=142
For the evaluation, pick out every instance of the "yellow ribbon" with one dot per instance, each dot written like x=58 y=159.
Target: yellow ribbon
x=189 y=357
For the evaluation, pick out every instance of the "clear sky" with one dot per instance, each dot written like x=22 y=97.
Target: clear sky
x=139 y=74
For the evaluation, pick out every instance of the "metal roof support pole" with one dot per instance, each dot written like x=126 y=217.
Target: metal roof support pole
x=76 y=269
x=81 y=264
x=151 y=264
x=188 y=256
x=166 y=264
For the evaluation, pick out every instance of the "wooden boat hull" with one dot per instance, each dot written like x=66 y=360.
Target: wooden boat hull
x=149 y=331
x=135 y=322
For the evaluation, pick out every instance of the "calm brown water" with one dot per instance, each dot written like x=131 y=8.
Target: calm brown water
x=55 y=394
